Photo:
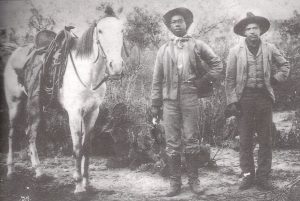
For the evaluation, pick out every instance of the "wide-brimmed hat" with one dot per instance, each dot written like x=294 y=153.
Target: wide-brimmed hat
x=184 y=12
x=263 y=23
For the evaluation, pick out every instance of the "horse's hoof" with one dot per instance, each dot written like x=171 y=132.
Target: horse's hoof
x=79 y=190
x=38 y=173
x=80 y=195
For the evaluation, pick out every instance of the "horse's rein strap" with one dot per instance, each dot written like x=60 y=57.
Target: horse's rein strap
x=80 y=80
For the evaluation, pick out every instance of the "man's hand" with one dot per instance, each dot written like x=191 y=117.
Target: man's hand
x=156 y=111
x=233 y=109
x=203 y=85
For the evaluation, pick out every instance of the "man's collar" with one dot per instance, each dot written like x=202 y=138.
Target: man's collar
x=186 y=37
x=173 y=35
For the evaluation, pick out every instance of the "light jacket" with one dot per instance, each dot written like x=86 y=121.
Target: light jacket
x=165 y=75
x=236 y=71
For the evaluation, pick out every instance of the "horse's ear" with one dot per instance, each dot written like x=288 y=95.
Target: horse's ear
x=109 y=11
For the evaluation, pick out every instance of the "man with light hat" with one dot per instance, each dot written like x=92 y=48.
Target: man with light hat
x=179 y=79
x=251 y=75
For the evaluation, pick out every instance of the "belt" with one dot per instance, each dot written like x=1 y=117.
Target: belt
x=255 y=90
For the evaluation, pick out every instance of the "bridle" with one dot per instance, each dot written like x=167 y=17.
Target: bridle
x=99 y=45
x=103 y=55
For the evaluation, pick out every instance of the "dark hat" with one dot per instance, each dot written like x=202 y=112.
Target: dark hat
x=184 y=12
x=263 y=23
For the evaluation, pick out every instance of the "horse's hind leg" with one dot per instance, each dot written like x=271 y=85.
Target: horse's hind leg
x=34 y=114
x=14 y=110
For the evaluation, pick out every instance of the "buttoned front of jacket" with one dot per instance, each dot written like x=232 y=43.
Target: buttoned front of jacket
x=255 y=75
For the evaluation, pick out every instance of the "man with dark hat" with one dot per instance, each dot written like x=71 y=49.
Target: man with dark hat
x=250 y=77
x=179 y=80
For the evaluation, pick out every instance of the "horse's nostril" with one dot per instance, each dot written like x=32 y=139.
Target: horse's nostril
x=110 y=64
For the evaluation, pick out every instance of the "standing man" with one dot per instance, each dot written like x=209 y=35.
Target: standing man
x=250 y=77
x=176 y=87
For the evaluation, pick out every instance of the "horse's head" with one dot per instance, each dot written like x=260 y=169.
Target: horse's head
x=109 y=34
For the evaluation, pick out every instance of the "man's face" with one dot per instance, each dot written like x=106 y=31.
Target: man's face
x=178 y=26
x=252 y=32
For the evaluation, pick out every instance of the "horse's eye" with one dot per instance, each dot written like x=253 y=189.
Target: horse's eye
x=100 y=31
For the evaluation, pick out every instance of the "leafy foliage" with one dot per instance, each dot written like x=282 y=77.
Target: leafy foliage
x=287 y=95
x=39 y=22
x=143 y=29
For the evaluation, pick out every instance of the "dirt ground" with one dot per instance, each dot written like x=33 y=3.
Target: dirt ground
x=221 y=183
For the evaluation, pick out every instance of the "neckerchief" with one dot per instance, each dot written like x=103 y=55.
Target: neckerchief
x=178 y=41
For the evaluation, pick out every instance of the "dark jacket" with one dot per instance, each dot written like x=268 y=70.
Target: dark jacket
x=165 y=76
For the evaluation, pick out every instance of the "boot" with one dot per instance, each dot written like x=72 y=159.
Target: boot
x=264 y=184
x=174 y=163
x=247 y=181
x=192 y=172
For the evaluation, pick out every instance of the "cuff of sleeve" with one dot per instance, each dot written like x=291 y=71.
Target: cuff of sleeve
x=156 y=102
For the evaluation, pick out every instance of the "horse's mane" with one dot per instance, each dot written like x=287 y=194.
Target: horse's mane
x=84 y=45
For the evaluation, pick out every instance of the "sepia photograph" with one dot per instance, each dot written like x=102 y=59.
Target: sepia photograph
x=149 y=100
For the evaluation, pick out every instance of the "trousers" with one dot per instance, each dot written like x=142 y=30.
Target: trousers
x=180 y=119
x=256 y=117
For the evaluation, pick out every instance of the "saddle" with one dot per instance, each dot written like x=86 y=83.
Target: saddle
x=55 y=65
x=44 y=69
x=29 y=75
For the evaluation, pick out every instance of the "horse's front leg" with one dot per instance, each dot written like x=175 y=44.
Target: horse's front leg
x=75 y=121
x=89 y=122
x=34 y=115
x=85 y=165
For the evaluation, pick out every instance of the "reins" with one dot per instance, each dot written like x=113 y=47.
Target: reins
x=100 y=48
x=106 y=77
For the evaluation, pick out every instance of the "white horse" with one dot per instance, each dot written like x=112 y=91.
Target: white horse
x=95 y=56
